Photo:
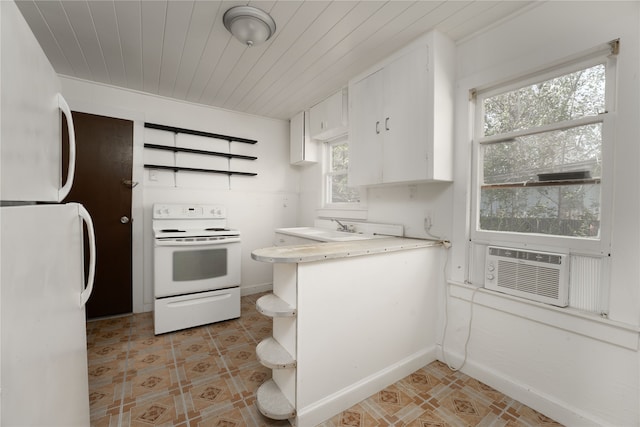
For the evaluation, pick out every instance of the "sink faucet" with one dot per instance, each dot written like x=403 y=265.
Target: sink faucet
x=341 y=226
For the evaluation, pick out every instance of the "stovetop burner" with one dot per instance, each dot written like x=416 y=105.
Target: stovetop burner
x=186 y=221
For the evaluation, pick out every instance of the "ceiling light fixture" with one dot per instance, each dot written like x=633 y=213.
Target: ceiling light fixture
x=249 y=24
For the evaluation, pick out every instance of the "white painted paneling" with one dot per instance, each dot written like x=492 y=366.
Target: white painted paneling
x=310 y=79
x=153 y=14
x=128 y=15
x=218 y=40
x=317 y=29
x=58 y=23
x=180 y=48
x=205 y=16
x=45 y=37
x=279 y=50
x=80 y=17
x=109 y=40
x=281 y=12
x=349 y=22
x=179 y=16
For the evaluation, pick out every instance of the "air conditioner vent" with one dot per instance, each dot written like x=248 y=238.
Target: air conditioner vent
x=538 y=276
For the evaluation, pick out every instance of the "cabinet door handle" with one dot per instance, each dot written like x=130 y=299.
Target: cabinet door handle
x=377 y=127
x=386 y=123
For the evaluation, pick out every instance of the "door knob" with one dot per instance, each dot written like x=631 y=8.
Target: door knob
x=124 y=219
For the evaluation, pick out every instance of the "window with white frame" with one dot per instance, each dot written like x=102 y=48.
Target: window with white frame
x=337 y=191
x=542 y=144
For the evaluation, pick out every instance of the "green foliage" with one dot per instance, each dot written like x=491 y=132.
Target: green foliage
x=568 y=210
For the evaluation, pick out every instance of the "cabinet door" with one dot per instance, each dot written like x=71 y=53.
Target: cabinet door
x=328 y=118
x=317 y=118
x=366 y=124
x=405 y=119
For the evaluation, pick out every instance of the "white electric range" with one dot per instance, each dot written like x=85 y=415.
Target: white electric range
x=196 y=266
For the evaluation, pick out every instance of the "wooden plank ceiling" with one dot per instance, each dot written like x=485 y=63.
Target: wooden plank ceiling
x=180 y=48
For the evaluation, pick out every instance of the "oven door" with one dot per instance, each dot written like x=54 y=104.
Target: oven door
x=183 y=267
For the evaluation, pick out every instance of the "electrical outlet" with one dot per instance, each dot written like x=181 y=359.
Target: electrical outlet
x=153 y=175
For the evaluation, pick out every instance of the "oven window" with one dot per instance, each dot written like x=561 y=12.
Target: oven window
x=199 y=264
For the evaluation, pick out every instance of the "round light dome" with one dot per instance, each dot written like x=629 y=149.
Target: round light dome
x=249 y=24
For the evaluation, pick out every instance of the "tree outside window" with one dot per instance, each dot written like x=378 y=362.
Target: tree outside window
x=541 y=154
x=338 y=191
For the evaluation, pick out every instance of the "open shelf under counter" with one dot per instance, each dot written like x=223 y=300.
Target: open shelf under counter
x=272 y=355
x=272 y=306
x=272 y=403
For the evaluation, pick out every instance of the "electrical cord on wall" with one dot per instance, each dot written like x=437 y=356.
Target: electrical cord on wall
x=447 y=245
x=444 y=331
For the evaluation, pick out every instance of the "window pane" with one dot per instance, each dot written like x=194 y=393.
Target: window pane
x=340 y=192
x=524 y=158
x=569 y=210
x=567 y=97
x=339 y=157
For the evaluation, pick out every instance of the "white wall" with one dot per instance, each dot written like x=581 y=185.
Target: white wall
x=566 y=363
x=407 y=205
x=255 y=205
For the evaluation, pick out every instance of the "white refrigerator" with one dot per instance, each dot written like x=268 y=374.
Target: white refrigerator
x=43 y=283
x=43 y=328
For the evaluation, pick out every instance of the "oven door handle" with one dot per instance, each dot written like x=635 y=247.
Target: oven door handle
x=161 y=242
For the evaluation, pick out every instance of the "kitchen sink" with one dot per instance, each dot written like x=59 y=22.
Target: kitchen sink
x=325 y=235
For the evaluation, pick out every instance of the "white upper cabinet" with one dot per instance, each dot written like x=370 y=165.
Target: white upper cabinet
x=329 y=118
x=401 y=127
x=366 y=105
x=302 y=149
x=31 y=151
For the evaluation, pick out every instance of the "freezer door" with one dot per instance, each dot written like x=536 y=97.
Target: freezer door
x=43 y=374
x=31 y=149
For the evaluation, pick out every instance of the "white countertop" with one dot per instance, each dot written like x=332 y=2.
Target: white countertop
x=325 y=235
x=333 y=250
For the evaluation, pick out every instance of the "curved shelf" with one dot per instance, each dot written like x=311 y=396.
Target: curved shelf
x=272 y=403
x=272 y=306
x=272 y=355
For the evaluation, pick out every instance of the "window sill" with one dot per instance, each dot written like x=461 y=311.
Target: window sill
x=567 y=319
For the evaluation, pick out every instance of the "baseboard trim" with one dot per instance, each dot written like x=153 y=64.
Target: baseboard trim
x=535 y=399
x=255 y=289
x=332 y=405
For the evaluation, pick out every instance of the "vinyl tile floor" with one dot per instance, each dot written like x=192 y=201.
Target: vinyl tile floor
x=208 y=376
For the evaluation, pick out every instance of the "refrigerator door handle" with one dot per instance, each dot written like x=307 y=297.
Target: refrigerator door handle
x=84 y=214
x=64 y=107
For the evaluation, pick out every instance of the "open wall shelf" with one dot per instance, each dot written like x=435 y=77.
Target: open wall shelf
x=199 y=133
x=181 y=168
x=174 y=149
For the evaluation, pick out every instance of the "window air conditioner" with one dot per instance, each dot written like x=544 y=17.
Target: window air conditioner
x=538 y=276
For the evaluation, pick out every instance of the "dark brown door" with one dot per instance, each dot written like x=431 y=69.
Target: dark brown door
x=102 y=184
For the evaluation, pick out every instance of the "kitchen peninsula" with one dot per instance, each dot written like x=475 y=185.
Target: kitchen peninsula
x=349 y=318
